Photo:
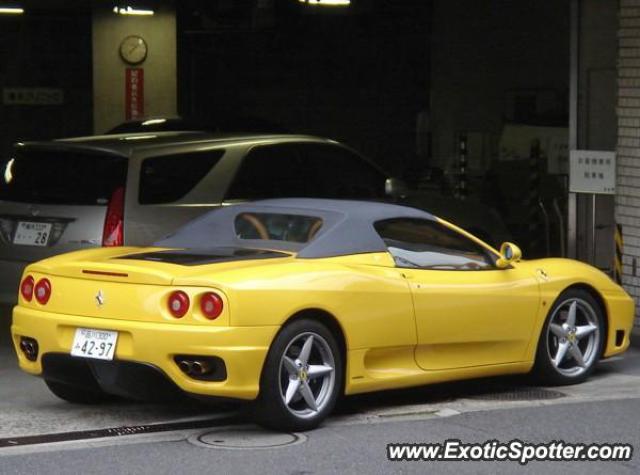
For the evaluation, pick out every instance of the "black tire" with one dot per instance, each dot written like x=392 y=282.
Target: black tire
x=271 y=409
x=76 y=394
x=544 y=370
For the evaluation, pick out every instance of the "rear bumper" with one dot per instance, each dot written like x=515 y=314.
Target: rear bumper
x=152 y=345
x=122 y=378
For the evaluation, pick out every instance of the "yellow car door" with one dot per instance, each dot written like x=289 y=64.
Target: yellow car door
x=472 y=318
x=468 y=312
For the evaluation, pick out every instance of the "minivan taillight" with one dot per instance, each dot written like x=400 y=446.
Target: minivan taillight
x=113 y=233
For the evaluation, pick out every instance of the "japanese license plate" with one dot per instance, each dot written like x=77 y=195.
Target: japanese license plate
x=97 y=344
x=32 y=234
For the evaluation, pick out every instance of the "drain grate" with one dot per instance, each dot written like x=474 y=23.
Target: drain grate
x=519 y=394
x=116 y=431
x=246 y=438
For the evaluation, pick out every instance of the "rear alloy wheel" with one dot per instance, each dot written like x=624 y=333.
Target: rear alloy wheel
x=572 y=339
x=302 y=377
x=76 y=394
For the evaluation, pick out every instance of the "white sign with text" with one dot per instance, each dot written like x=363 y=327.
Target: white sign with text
x=592 y=171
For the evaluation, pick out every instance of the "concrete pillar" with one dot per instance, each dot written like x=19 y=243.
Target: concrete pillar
x=159 y=32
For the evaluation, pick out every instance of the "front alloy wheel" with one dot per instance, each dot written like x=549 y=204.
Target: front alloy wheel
x=302 y=377
x=572 y=339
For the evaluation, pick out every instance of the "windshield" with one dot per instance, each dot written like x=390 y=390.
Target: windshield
x=61 y=177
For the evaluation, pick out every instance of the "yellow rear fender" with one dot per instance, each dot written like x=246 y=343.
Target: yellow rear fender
x=373 y=303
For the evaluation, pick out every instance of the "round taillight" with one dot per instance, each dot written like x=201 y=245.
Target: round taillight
x=211 y=305
x=178 y=303
x=26 y=288
x=43 y=291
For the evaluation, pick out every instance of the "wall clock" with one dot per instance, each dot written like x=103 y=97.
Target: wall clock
x=133 y=49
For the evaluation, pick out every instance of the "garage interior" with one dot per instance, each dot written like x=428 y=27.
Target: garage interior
x=478 y=100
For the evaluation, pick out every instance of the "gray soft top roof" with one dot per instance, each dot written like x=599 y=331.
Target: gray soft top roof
x=347 y=226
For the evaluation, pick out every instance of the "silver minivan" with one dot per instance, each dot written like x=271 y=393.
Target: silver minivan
x=133 y=189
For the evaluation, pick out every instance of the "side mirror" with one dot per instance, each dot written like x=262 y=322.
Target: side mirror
x=395 y=188
x=509 y=253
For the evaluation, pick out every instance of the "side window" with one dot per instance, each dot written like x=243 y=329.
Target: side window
x=341 y=173
x=277 y=227
x=271 y=171
x=424 y=244
x=169 y=178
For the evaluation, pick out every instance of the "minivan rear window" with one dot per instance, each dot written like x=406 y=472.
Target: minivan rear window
x=61 y=177
x=169 y=178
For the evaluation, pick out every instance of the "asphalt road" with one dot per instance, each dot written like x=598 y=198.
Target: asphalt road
x=172 y=439
x=361 y=448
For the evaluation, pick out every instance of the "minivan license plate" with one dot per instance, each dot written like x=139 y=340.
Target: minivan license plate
x=97 y=344
x=32 y=234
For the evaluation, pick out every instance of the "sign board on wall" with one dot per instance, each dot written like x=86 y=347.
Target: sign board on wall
x=134 y=93
x=32 y=96
x=592 y=171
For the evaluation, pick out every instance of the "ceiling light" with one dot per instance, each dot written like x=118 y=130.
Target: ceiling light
x=8 y=171
x=132 y=11
x=327 y=3
x=11 y=11
x=154 y=121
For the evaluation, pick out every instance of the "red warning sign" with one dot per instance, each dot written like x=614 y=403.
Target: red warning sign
x=134 y=93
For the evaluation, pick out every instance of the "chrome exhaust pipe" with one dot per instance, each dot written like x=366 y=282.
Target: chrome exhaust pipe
x=200 y=367
x=186 y=366
x=29 y=347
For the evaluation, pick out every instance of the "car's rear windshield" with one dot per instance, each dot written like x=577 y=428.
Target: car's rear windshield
x=277 y=227
x=61 y=177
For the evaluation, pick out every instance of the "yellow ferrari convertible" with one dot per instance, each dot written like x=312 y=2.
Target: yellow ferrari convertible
x=291 y=303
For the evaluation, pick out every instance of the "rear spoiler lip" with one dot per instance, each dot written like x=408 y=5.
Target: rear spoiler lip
x=105 y=273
